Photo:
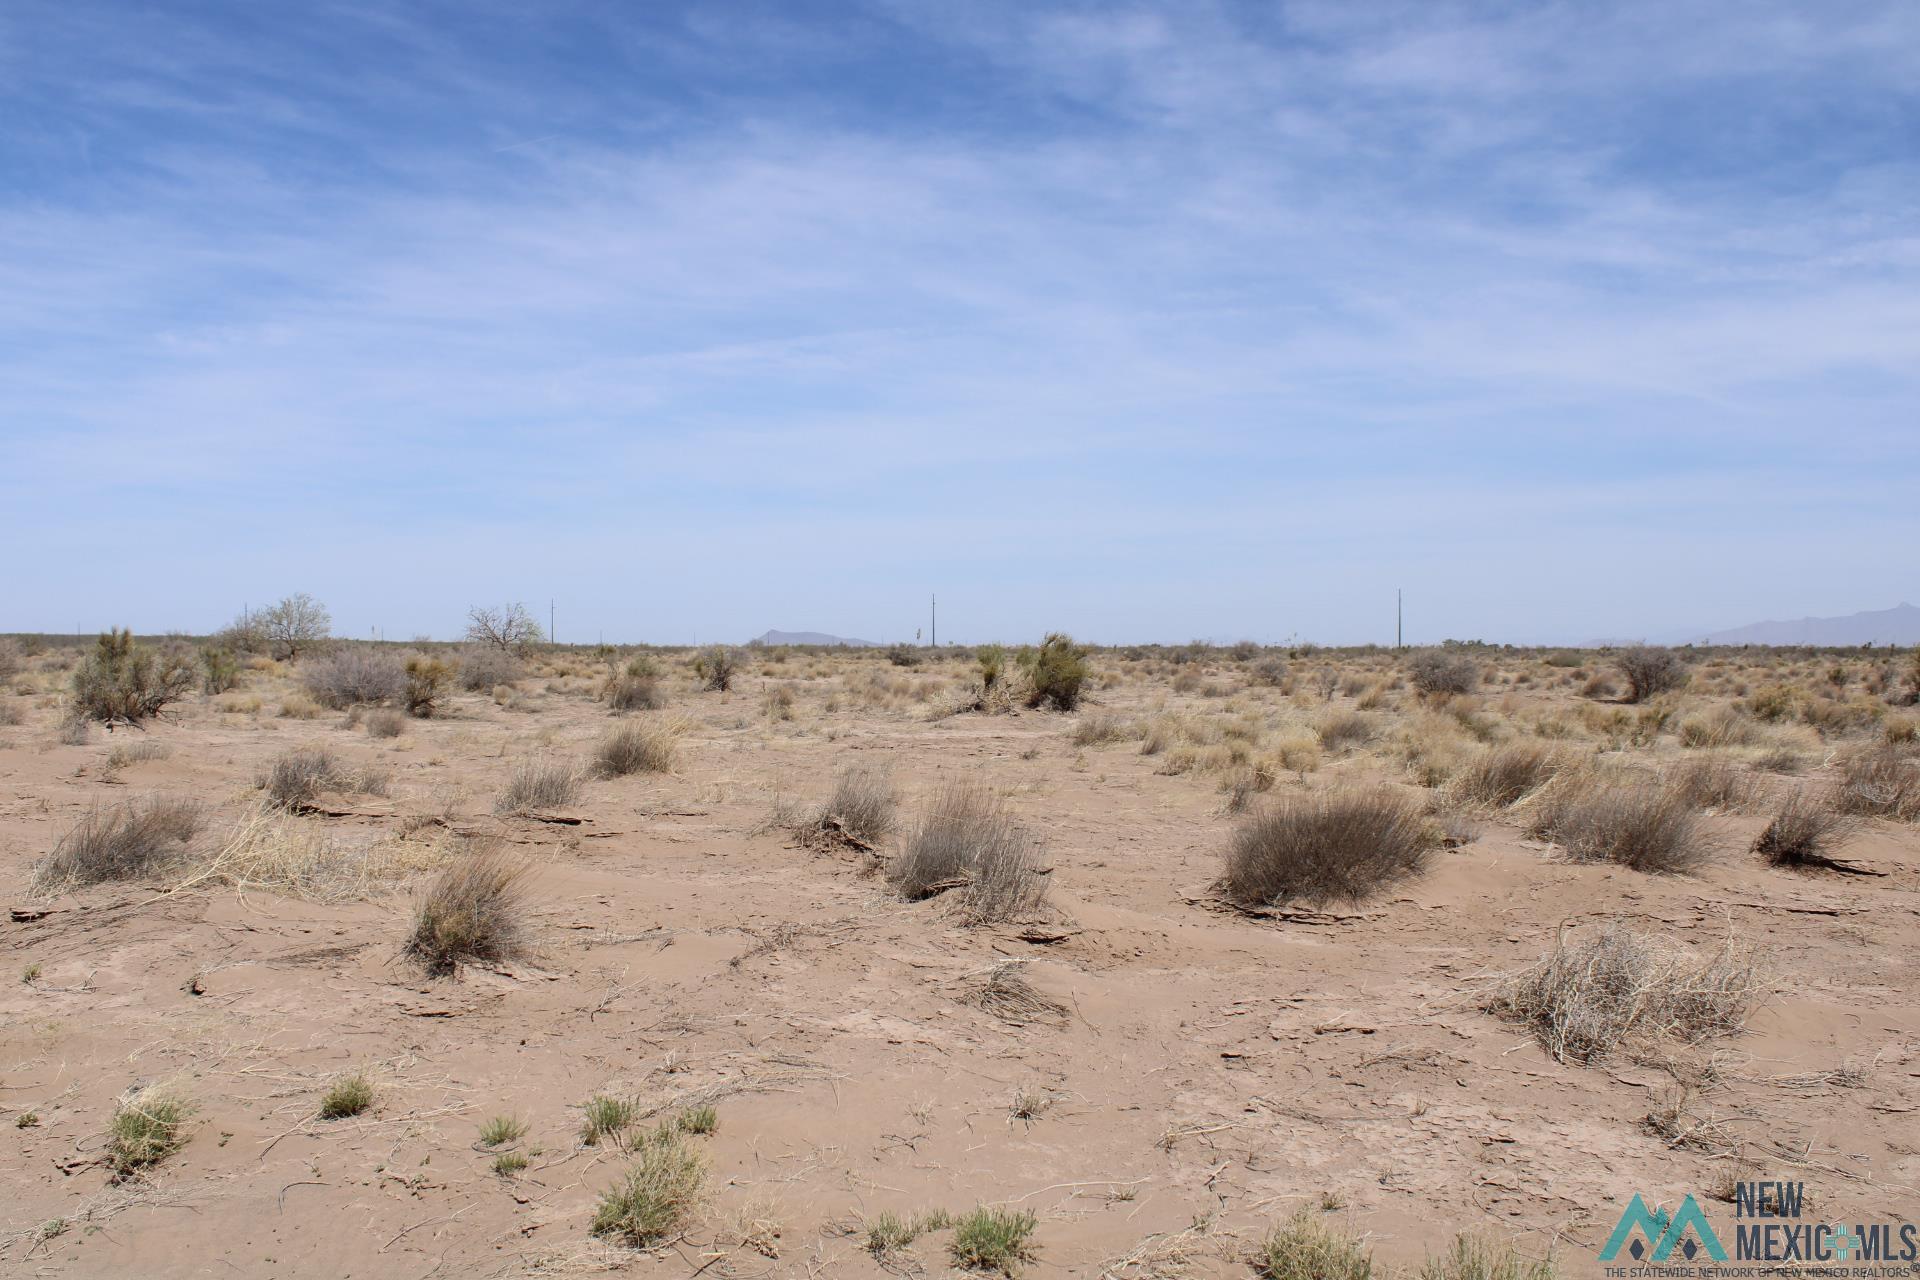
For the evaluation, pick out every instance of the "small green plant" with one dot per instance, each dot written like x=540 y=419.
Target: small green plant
x=1056 y=671
x=656 y=1196
x=31 y=974
x=501 y=1130
x=1306 y=1249
x=888 y=1233
x=605 y=1118
x=346 y=1096
x=508 y=1163
x=27 y=1120
x=1472 y=1258
x=698 y=1120
x=717 y=668
x=146 y=1128
x=993 y=1239
x=219 y=670
x=993 y=665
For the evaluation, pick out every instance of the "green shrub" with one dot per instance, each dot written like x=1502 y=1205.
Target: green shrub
x=1307 y=1249
x=219 y=670
x=427 y=683
x=993 y=1239
x=655 y=1198
x=1650 y=670
x=501 y=1130
x=1056 y=671
x=146 y=1128
x=122 y=682
x=347 y=1096
x=717 y=668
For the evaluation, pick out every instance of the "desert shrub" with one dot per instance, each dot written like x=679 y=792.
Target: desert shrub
x=146 y=1128
x=1339 y=730
x=349 y=1095
x=1474 y=1258
x=538 y=785
x=1441 y=671
x=1102 y=727
x=295 y=777
x=967 y=840
x=1325 y=846
x=1056 y=671
x=1502 y=776
x=903 y=655
x=1901 y=731
x=12 y=714
x=1714 y=782
x=656 y=1196
x=295 y=626
x=124 y=682
x=10 y=660
x=605 y=1119
x=386 y=723
x=507 y=628
x=1270 y=671
x=1304 y=1248
x=1650 y=670
x=1589 y=997
x=1645 y=825
x=502 y=1130
x=124 y=842
x=219 y=670
x=354 y=675
x=1776 y=702
x=1880 y=783
x=1721 y=727
x=637 y=688
x=992 y=661
x=640 y=746
x=474 y=910
x=427 y=683
x=1803 y=831
x=993 y=1239
x=863 y=804
x=717 y=668
x=484 y=668
x=888 y=1232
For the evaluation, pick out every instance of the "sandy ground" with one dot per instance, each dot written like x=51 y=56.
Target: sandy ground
x=1215 y=1074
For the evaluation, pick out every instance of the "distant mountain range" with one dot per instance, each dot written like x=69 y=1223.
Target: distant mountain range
x=812 y=637
x=1899 y=625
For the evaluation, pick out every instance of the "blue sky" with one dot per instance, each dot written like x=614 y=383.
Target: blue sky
x=1145 y=322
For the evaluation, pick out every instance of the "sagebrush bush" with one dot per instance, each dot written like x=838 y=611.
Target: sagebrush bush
x=1476 y=1258
x=219 y=670
x=483 y=668
x=124 y=682
x=354 y=675
x=350 y=1095
x=295 y=777
x=474 y=910
x=386 y=723
x=1714 y=782
x=1591 y=996
x=1650 y=670
x=427 y=682
x=1641 y=824
x=1326 y=846
x=1440 y=671
x=636 y=688
x=863 y=803
x=1339 y=730
x=1304 y=1248
x=903 y=655
x=539 y=785
x=1056 y=672
x=1879 y=783
x=717 y=668
x=965 y=839
x=124 y=842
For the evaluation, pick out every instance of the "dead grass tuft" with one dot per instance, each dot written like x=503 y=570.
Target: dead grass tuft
x=475 y=910
x=1804 y=831
x=539 y=785
x=1004 y=992
x=1503 y=776
x=1326 y=846
x=647 y=745
x=1642 y=824
x=967 y=840
x=124 y=842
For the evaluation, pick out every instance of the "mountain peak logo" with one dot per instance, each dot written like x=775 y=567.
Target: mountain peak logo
x=1657 y=1234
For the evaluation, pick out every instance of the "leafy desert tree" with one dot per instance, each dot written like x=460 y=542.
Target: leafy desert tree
x=508 y=628
x=294 y=626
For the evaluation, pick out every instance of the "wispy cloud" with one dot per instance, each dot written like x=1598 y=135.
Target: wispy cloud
x=1142 y=322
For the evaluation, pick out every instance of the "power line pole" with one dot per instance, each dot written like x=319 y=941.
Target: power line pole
x=552 y=636
x=934 y=619
x=1399 y=617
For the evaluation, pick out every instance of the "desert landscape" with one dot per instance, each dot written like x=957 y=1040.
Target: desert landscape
x=499 y=958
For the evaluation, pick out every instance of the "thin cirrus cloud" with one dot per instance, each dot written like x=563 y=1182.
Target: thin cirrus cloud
x=1146 y=322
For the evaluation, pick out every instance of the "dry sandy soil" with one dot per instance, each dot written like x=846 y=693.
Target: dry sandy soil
x=1214 y=1074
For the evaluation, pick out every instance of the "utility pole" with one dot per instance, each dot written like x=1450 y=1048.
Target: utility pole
x=552 y=636
x=934 y=620
x=1399 y=617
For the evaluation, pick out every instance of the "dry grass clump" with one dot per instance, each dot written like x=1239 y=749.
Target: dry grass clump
x=966 y=840
x=1650 y=670
x=484 y=668
x=1005 y=993
x=1880 y=783
x=1642 y=824
x=269 y=850
x=350 y=1095
x=386 y=724
x=634 y=688
x=1304 y=1248
x=350 y=675
x=121 y=843
x=863 y=804
x=1803 y=832
x=1102 y=727
x=146 y=1128
x=1724 y=726
x=1339 y=730
x=1320 y=847
x=993 y=1239
x=539 y=785
x=655 y=1198
x=1716 y=783
x=641 y=746
x=297 y=777
x=474 y=910
x=122 y=682
x=1503 y=776
x=1589 y=997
